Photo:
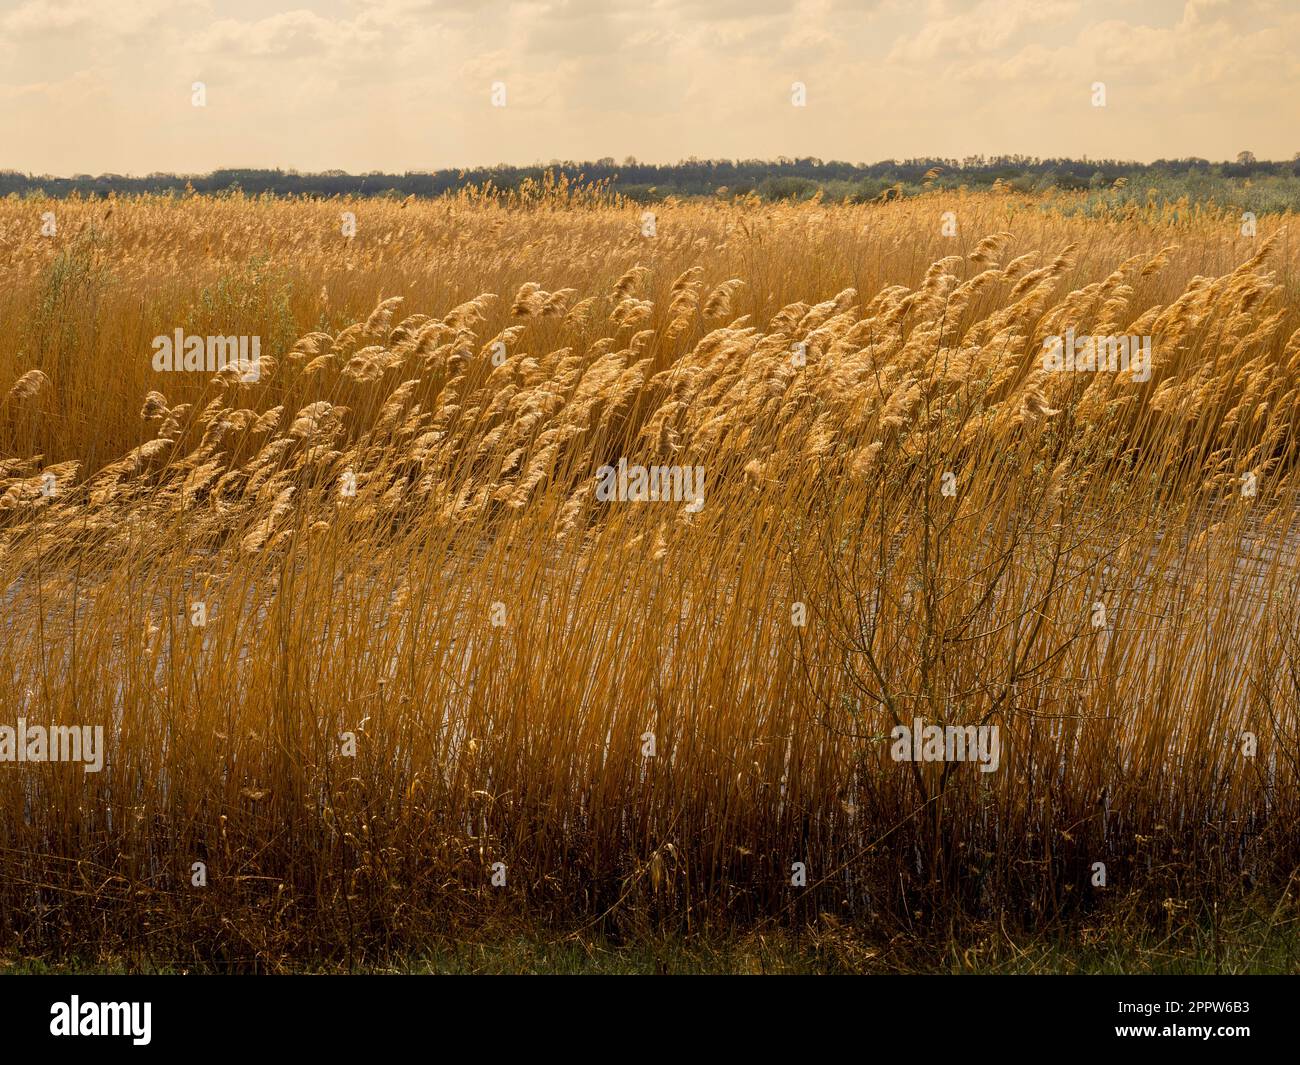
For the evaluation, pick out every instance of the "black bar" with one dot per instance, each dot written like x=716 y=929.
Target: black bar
x=340 y=1013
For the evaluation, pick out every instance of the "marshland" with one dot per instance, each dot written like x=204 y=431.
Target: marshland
x=368 y=647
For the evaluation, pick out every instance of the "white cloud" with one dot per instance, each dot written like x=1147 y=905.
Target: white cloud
x=290 y=34
x=987 y=26
x=404 y=84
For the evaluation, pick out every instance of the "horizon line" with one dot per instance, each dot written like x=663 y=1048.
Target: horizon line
x=608 y=163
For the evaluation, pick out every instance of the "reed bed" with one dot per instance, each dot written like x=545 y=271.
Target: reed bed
x=439 y=681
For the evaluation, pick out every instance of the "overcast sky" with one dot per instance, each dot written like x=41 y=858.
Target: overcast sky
x=91 y=86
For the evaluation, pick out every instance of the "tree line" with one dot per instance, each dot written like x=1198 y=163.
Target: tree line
x=778 y=179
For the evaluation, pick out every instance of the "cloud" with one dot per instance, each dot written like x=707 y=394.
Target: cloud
x=35 y=20
x=42 y=18
x=288 y=35
x=405 y=84
x=986 y=26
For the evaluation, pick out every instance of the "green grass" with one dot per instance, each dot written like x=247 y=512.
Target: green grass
x=1254 y=941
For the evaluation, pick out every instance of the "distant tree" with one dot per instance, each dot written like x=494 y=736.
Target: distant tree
x=1245 y=158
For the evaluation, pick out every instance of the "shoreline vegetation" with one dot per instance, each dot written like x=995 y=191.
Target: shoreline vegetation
x=1091 y=186
x=1255 y=936
x=381 y=675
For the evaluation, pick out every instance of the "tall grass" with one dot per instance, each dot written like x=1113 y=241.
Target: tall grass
x=467 y=662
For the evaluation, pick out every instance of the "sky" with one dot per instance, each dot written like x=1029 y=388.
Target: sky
x=108 y=86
